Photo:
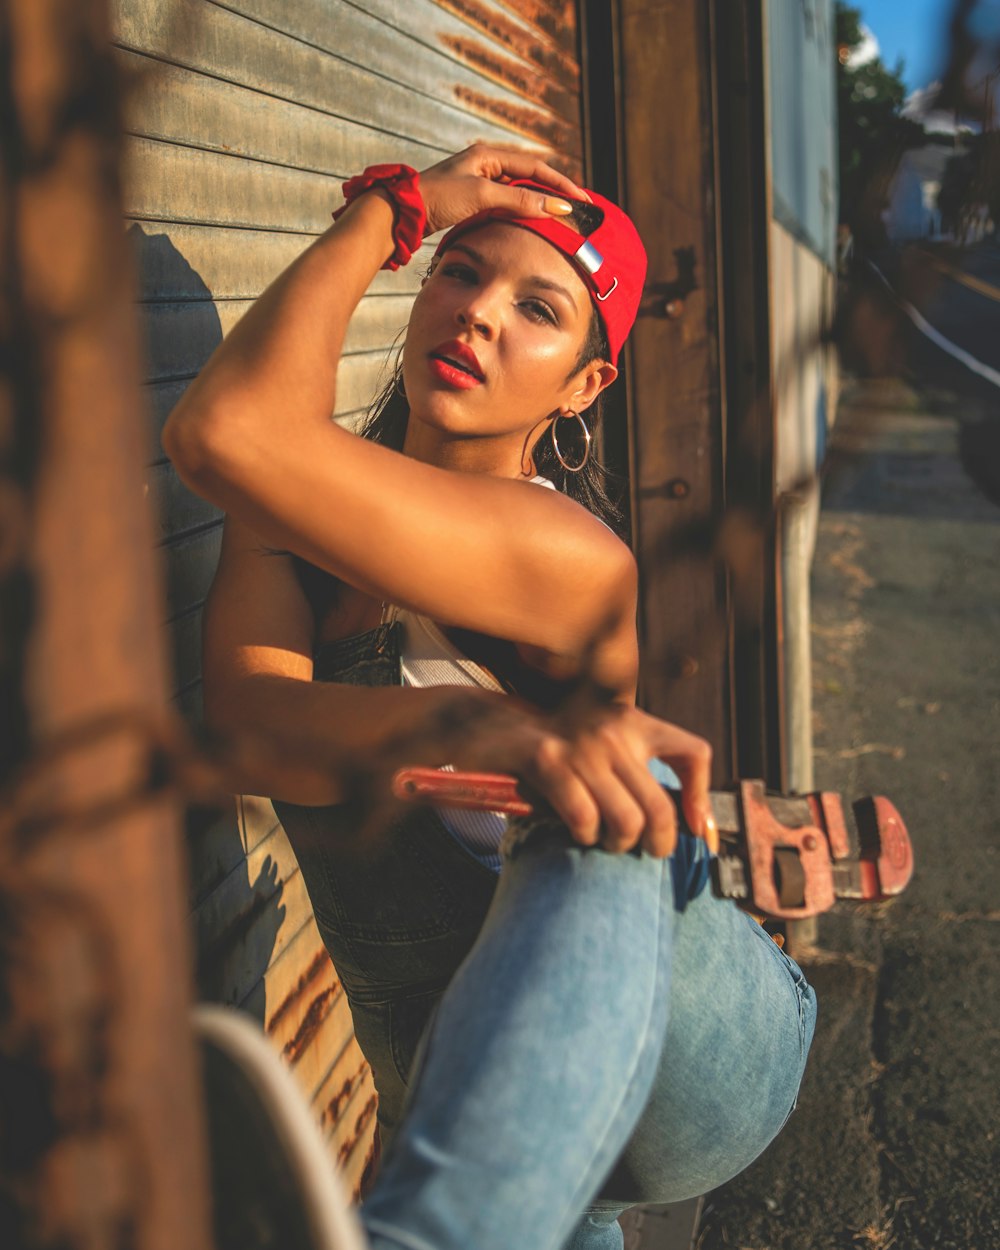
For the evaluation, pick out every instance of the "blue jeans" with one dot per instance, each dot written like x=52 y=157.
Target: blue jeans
x=600 y=1031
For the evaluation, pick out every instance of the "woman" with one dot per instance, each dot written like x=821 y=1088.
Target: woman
x=597 y=1018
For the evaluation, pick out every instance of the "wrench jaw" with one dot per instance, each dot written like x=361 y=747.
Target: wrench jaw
x=885 y=846
x=828 y=815
x=797 y=856
x=874 y=864
x=790 y=868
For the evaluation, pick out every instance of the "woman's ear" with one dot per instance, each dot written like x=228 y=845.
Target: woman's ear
x=596 y=377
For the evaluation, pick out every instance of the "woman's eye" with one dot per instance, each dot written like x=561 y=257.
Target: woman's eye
x=464 y=273
x=538 y=310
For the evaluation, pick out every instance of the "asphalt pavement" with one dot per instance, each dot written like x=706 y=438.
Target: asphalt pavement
x=896 y=1140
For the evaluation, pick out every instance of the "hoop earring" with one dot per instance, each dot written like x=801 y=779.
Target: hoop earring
x=397 y=385
x=570 y=468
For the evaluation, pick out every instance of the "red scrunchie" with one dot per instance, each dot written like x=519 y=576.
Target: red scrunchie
x=402 y=184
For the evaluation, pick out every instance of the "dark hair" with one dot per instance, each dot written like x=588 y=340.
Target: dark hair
x=388 y=415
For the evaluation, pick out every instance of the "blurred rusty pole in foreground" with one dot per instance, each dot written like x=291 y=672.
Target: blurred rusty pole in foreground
x=100 y=1132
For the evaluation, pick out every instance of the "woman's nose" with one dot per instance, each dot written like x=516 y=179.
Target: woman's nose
x=479 y=315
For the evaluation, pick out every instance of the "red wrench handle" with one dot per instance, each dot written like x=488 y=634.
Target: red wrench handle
x=490 y=792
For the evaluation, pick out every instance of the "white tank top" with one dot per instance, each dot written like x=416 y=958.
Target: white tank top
x=428 y=658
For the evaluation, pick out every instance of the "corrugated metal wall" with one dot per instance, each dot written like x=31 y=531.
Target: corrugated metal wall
x=244 y=118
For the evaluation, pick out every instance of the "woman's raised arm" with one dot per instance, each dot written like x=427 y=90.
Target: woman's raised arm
x=278 y=366
x=253 y=434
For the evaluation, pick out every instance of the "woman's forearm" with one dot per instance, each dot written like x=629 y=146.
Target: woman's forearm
x=314 y=743
x=280 y=362
x=311 y=742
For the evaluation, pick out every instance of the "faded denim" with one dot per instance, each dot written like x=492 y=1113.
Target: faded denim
x=604 y=1031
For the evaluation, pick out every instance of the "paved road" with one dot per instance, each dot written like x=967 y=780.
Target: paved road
x=961 y=298
x=896 y=1142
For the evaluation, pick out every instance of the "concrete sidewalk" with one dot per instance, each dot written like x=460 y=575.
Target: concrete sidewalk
x=896 y=1141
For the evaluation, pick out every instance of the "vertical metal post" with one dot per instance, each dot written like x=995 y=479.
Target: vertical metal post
x=600 y=65
x=797 y=519
x=669 y=180
x=745 y=218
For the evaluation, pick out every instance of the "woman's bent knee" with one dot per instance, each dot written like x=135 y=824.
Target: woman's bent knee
x=741 y=1022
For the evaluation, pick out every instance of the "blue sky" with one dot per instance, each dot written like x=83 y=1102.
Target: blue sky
x=912 y=29
x=916 y=30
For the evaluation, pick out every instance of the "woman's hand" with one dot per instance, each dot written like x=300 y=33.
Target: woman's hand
x=597 y=778
x=475 y=179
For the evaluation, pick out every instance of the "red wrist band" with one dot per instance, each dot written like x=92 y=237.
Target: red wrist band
x=402 y=184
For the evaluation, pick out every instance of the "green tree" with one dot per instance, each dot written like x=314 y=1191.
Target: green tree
x=872 y=133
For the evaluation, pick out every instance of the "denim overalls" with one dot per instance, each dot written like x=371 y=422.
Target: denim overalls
x=610 y=1028
x=397 y=919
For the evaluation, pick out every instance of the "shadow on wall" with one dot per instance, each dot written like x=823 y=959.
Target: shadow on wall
x=235 y=859
x=181 y=327
x=237 y=908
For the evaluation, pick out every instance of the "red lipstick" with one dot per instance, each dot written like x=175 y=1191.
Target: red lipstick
x=455 y=363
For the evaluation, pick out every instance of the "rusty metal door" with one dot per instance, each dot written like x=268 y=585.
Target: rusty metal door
x=676 y=128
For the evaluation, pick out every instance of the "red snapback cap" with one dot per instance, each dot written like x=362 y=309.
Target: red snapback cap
x=611 y=259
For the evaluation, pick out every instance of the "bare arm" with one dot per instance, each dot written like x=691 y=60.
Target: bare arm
x=503 y=557
x=253 y=434
x=258 y=643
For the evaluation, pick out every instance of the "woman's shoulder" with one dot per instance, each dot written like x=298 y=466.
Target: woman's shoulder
x=592 y=619
x=589 y=517
x=598 y=572
x=601 y=549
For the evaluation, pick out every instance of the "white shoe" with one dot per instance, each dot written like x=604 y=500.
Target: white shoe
x=274 y=1186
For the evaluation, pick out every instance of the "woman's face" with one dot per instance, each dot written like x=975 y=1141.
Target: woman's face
x=494 y=340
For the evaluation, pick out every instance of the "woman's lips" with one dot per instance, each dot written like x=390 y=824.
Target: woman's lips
x=456 y=364
x=452 y=374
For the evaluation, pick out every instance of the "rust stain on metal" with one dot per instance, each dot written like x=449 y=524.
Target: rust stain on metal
x=540 y=87
x=563 y=11
x=319 y=963
x=332 y=1111
x=360 y=1124
x=317 y=1012
x=542 y=128
x=561 y=30
x=556 y=18
x=369 y=1171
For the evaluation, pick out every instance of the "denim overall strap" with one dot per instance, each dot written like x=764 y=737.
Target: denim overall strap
x=397 y=914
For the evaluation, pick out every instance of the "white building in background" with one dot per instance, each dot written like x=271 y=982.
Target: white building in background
x=913 y=211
